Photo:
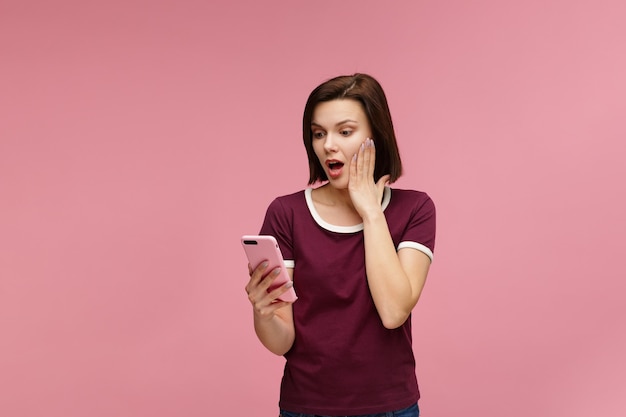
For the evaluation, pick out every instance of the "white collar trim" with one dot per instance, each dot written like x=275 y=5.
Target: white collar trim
x=340 y=229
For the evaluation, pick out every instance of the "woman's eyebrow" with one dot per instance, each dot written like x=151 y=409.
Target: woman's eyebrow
x=336 y=124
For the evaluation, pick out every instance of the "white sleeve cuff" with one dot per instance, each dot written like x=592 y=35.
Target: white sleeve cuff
x=290 y=263
x=418 y=246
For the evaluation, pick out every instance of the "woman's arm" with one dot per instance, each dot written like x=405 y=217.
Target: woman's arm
x=395 y=278
x=273 y=319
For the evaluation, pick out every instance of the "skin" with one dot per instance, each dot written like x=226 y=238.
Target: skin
x=341 y=132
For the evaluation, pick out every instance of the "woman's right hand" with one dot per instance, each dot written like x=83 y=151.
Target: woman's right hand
x=273 y=318
x=265 y=303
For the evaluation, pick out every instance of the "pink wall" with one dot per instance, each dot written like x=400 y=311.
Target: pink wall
x=140 y=139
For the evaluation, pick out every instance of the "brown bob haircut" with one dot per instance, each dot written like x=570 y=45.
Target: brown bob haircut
x=367 y=91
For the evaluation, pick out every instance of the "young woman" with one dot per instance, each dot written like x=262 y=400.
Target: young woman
x=358 y=254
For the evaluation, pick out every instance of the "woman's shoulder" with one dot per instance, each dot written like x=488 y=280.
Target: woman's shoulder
x=413 y=200
x=294 y=196
x=292 y=200
x=409 y=195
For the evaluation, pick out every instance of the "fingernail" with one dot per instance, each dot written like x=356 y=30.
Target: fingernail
x=362 y=146
x=354 y=157
x=264 y=264
x=276 y=271
x=289 y=284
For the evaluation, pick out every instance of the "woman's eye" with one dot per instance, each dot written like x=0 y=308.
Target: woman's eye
x=345 y=132
x=318 y=135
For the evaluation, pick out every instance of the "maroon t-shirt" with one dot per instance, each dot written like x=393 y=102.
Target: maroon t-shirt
x=343 y=360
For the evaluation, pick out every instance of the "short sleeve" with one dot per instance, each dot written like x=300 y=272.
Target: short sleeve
x=278 y=223
x=420 y=231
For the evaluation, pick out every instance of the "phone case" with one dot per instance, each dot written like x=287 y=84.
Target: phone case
x=261 y=248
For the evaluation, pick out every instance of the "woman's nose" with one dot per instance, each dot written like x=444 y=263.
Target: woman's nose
x=329 y=143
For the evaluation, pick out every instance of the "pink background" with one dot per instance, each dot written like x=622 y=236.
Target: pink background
x=140 y=139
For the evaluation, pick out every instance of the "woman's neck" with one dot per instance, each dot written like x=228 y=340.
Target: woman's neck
x=336 y=197
x=335 y=206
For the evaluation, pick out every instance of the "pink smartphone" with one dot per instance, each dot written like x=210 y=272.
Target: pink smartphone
x=261 y=248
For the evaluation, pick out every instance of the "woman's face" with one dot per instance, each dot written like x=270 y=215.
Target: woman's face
x=338 y=129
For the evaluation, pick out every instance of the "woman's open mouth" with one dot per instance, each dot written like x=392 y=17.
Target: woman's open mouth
x=334 y=168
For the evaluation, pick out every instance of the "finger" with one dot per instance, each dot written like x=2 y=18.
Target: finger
x=373 y=160
x=369 y=159
x=382 y=181
x=256 y=276
x=380 y=185
x=352 y=180
x=259 y=271
x=276 y=293
x=267 y=281
x=261 y=297
x=360 y=161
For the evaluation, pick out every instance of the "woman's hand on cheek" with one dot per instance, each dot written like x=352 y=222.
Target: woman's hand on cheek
x=366 y=195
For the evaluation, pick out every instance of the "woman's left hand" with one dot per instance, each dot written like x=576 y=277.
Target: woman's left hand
x=366 y=195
